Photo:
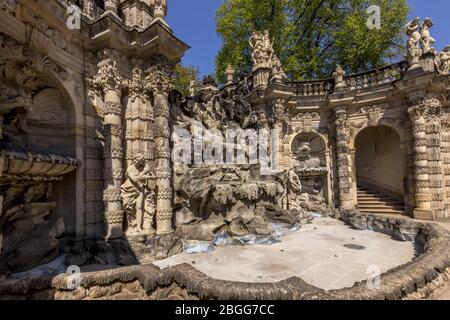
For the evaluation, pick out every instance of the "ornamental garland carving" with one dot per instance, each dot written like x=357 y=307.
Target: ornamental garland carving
x=114 y=217
x=112 y=195
x=113 y=108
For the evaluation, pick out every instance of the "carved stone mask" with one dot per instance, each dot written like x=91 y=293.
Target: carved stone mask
x=304 y=151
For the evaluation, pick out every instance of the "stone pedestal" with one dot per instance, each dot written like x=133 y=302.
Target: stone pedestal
x=261 y=78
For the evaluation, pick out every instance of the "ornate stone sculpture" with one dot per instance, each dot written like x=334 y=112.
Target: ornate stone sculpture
x=426 y=40
x=339 y=82
x=262 y=50
x=414 y=51
x=139 y=197
x=294 y=189
x=277 y=70
x=262 y=55
x=304 y=160
x=160 y=8
x=229 y=72
x=442 y=61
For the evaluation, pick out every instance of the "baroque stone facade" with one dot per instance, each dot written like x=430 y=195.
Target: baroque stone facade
x=87 y=136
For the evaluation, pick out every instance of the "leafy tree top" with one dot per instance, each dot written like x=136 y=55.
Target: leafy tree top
x=311 y=36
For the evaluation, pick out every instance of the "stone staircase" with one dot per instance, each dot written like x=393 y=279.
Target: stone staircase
x=370 y=201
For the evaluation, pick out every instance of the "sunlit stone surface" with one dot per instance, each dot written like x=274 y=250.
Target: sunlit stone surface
x=316 y=254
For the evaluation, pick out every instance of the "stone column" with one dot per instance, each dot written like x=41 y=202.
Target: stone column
x=435 y=160
x=419 y=112
x=110 y=83
x=343 y=159
x=159 y=80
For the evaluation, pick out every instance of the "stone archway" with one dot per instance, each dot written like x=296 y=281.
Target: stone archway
x=380 y=166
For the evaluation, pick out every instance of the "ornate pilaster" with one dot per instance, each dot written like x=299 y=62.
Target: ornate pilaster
x=159 y=83
x=343 y=159
x=138 y=119
x=422 y=111
x=110 y=83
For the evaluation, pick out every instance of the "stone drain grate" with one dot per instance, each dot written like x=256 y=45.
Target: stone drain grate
x=354 y=246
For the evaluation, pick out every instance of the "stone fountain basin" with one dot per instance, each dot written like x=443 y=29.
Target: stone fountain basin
x=327 y=254
x=414 y=279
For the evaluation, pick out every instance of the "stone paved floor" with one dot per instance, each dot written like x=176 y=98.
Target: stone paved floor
x=316 y=254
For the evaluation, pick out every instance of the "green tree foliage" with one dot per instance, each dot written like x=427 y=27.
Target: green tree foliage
x=183 y=77
x=311 y=36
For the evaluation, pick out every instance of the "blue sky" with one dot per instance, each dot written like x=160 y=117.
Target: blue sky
x=193 y=21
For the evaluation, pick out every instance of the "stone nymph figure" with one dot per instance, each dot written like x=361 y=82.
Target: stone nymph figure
x=138 y=196
x=304 y=160
x=414 y=51
x=262 y=49
x=427 y=40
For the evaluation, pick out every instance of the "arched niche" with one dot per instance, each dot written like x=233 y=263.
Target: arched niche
x=39 y=119
x=309 y=159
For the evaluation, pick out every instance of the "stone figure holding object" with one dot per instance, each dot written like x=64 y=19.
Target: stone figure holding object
x=414 y=52
x=139 y=196
x=426 y=39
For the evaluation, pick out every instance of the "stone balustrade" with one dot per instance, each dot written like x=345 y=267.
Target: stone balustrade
x=376 y=77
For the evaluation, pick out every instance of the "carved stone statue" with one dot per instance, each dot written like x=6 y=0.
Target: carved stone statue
x=277 y=70
x=426 y=40
x=139 y=196
x=304 y=160
x=229 y=72
x=414 y=51
x=442 y=61
x=339 y=81
x=192 y=88
x=160 y=8
x=294 y=188
x=262 y=50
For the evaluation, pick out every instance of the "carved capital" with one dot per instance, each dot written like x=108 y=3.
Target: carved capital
x=109 y=77
x=159 y=76
x=136 y=85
